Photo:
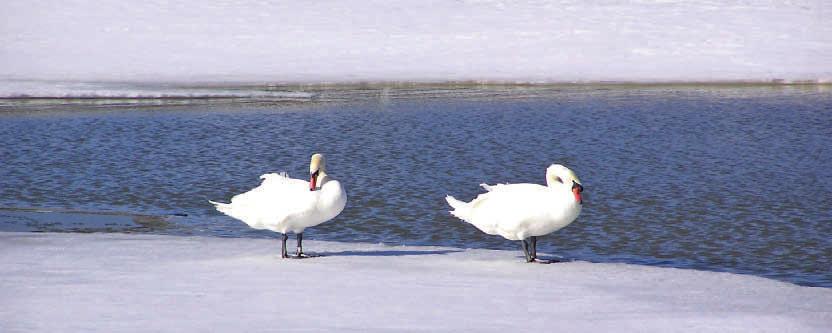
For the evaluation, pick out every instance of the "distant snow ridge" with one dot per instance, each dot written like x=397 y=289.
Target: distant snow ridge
x=69 y=90
x=374 y=40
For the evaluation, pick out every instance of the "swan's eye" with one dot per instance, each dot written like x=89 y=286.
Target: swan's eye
x=558 y=179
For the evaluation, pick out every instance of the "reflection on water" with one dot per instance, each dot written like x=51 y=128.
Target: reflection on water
x=729 y=178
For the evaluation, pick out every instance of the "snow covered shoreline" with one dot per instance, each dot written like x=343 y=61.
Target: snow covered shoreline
x=132 y=282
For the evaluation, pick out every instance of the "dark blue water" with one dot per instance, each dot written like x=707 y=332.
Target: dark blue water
x=720 y=178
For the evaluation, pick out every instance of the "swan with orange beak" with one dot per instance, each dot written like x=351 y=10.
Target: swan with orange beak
x=282 y=204
x=525 y=211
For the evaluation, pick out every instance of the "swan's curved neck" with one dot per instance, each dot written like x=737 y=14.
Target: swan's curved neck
x=322 y=179
x=554 y=184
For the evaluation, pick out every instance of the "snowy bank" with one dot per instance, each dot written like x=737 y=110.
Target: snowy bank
x=358 y=40
x=120 y=282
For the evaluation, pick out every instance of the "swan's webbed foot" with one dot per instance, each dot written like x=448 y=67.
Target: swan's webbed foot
x=305 y=256
x=530 y=248
x=550 y=261
x=299 y=253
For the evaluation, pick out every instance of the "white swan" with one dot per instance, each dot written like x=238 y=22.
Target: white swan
x=524 y=211
x=284 y=205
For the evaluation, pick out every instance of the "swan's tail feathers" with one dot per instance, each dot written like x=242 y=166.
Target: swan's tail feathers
x=460 y=208
x=486 y=187
x=222 y=207
x=456 y=204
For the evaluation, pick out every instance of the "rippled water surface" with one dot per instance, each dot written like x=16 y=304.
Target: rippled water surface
x=721 y=178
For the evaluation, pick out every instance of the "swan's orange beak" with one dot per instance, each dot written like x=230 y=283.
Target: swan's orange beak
x=313 y=180
x=576 y=190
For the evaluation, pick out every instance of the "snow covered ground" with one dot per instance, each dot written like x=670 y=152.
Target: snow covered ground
x=375 y=40
x=120 y=282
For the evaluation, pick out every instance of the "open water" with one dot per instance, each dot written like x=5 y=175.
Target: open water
x=724 y=178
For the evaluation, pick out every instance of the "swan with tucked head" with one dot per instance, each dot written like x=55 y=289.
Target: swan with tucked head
x=525 y=211
x=282 y=204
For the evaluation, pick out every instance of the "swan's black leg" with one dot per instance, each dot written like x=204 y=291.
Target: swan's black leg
x=533 y=253
x=299 y=252
x=283 y=252
x=525 y=245
x=534 y=248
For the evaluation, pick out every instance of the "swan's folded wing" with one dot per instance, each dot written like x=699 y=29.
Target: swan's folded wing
x=506 y=206
x=277 y=196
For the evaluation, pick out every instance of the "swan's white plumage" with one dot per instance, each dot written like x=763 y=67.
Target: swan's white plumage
x=283 y=204
x=519 y=211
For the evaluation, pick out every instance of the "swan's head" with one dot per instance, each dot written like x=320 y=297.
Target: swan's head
x=559 y=176
x=317 y=166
